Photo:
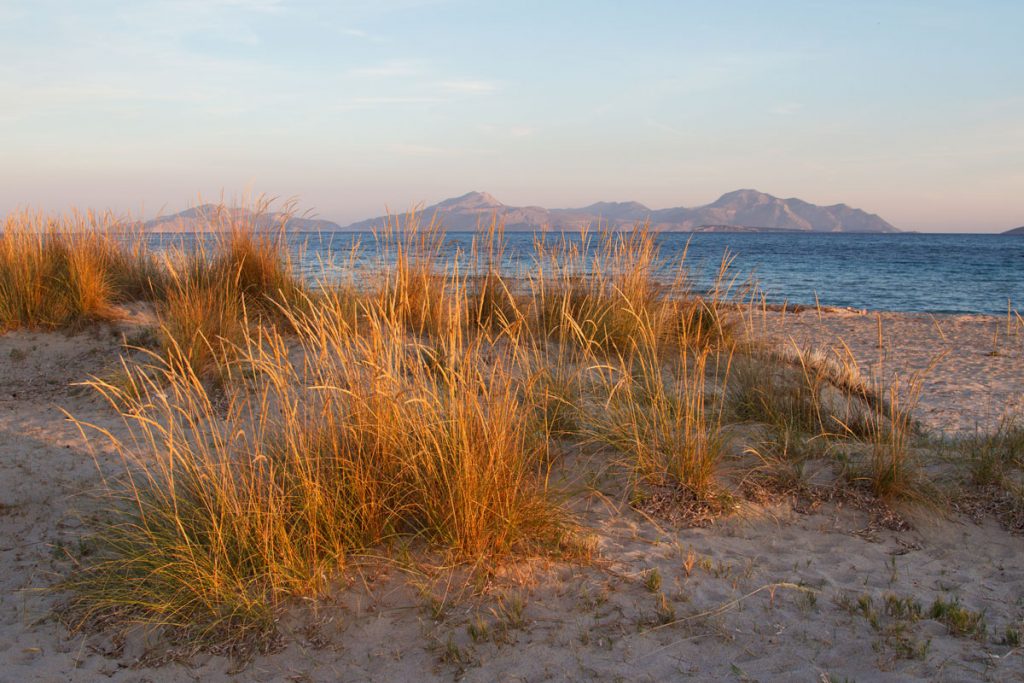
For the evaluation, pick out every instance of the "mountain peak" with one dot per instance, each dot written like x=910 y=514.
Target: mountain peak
x=744 y=196
x=471 y=201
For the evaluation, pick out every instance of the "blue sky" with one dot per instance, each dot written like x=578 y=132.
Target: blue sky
x=913 y=110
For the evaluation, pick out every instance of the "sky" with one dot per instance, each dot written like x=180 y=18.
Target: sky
x=910 y=109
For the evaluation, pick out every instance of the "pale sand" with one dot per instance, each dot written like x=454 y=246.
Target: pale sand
x=978 y=376
x=580 y=622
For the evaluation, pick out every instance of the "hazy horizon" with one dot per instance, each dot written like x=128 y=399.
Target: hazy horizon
x=911 y=110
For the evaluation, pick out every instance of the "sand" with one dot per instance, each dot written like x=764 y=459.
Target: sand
x=767 y=594
x=971 y=366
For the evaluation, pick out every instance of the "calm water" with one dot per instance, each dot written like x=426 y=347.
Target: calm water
x=904 y=272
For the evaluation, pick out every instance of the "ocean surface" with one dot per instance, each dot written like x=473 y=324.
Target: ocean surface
x=933 y=273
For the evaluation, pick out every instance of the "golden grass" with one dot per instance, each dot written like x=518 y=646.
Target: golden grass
x=894 y=469
x=657 y=416
x=70 y=270
x=237 y=277
x=328 y=441
x=609 y=294
x=429 y=404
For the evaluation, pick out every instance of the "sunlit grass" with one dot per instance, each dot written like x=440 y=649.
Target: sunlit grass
x=429 y=404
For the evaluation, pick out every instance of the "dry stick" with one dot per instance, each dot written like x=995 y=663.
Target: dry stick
x=817 y=305
x=726 y=606
x=881 y=344
x=942 y=335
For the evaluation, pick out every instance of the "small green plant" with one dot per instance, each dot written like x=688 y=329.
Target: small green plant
x=478 y=630
x=990 y=457
x=904 y=608
x=511 y=611
x=652 y=580
x=959 y=620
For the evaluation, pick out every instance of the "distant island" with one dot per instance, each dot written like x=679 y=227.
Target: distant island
x=207 y=217
x=740 y=210
x=1015 y=231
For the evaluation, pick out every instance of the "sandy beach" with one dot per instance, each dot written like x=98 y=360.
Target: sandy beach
x=767 y=593
x=971 y=366
x=441 y=340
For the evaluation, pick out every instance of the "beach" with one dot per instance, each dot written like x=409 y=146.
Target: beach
x=778 y=590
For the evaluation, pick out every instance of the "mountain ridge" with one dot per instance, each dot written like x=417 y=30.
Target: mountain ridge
x=214 y=217
x=744 y=210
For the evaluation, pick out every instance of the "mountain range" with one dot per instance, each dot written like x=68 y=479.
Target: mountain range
x=1015 y=231
x=745 y=210
x=207 y=217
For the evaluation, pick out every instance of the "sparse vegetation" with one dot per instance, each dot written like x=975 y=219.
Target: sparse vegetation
x=958 y=619
x=278 y=428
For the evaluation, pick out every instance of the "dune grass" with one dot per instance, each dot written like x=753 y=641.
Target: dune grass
x=327 y=445
x=657 y=415
x=429 y=406
x=238 y=278
x=68 y=271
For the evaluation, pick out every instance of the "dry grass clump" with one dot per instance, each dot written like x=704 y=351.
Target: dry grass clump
x=332 y=441
x=657 y=416
x=803 y=391
x=817 y=404
x=412 y=291
x=992 y=464
x=236 y=277
x=991 y=457
x=604 y=295
x=71 y=270
x=493 y=304
x=202 y=325
x=894 y=468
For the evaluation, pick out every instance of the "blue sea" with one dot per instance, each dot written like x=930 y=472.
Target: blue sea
x=914 y=272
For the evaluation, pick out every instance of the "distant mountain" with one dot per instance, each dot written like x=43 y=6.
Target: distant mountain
x=214 y=217
x=1015 y=231
x=741 y=210
x=470 y=210
x=747 y=210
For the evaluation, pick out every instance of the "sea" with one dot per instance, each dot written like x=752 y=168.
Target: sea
x=909 y=272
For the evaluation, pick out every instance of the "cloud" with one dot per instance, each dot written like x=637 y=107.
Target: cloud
x=209 y=6
x=421 y=150
x=665 y=128
x=385 y=101
x=509 y=131
x=466 y=86
x=786 y=108
x=395 y=68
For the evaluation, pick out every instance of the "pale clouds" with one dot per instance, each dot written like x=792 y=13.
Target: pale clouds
x=787 y=108
x=394 y=68
x=466 y=86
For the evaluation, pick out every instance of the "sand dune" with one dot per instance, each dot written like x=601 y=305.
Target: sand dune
x=765 y=594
